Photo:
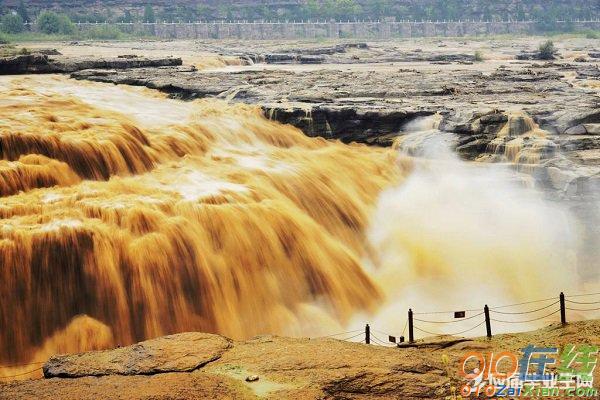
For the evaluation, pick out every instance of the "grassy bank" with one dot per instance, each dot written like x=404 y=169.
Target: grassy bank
x=102 y=32
x=113 y=33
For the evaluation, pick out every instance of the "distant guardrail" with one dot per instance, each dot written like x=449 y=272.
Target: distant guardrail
x=317 y=29
x=546 y=310
x=324 y=22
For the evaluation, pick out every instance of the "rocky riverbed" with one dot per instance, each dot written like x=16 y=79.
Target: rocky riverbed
x=369 y=92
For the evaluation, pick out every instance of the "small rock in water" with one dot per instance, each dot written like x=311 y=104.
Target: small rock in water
x=252 y=378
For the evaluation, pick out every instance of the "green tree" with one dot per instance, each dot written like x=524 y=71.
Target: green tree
x=12 y=23
x=127 y=17
x=204 y=12
x=379 y=8
x=402 y=12
x=50 y=23
x=328 y=9
x=520 y=12
x=264 y=13
x=546 y=19
x=311 y=10
x=22 y=11
x=453 y=10
x=346 y=9
x=149 y=14
x=226 y=11
x=429 y=12
x=67 y=27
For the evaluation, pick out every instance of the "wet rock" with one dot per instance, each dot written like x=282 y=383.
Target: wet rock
x=592 y=129
x=280 y=58
x=41 y=63
x=302 y=59
x=291 y=58
x=349 y=124
x=24 y=63
x=588 y=72
x=576 y=130
x=578 y=142
x=584 y=129
x=473 y=148
x=48 y=52
x=175 y=353
x=559 y=178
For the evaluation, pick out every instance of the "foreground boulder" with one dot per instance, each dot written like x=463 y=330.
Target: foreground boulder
x=176 y=353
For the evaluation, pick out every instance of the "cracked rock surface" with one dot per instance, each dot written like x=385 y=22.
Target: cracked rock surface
x=201 y=366
x=176 y=353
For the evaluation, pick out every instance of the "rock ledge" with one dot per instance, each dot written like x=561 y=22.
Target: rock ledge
x=183 y=352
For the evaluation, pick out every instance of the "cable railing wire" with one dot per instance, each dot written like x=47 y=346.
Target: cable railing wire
x=583 y=309
x=339 y=334
x=522 y=304
x=525 y=312
x=523 y=322
x=582 y=302
x=491 y=308
x=353 y=337
x=583 y=295
x=383 y=333
x=450 y=334
x=381 y=342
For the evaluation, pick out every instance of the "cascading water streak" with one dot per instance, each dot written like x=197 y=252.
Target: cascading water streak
x=115 y=228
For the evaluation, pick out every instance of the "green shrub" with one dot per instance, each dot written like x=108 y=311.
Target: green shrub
x=103 y=32
x=12 y=23
x=478 y=56
x=3 y=39
x=67 y=27
x=590 y=34
x=547 y=50
x=51 y=23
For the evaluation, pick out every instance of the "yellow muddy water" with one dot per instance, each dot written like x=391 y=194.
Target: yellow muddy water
x=126 y=215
